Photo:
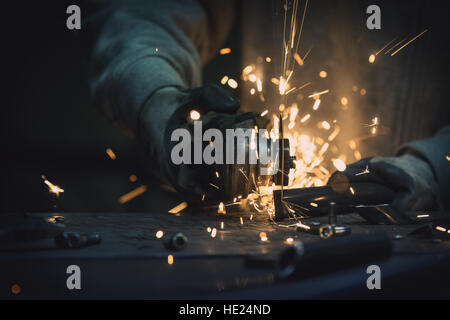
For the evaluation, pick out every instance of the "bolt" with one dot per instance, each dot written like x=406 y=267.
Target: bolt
x=176 y=242
x=332 y=219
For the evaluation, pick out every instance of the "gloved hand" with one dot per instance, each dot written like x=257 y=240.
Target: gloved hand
x=168 y=110
x=410 y=177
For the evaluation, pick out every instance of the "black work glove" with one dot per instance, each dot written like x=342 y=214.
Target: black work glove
x=410 y=177
x=169 y=109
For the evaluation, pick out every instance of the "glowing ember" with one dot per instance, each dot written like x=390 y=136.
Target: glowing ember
x=232 y=83
x=111 y=154
x=339 y=164
x=132 y=194
x=178 y=208
x=221 y=209
x=52 y=188
x=263 y=236
x=316 y=104
x=159 y=234
x=224 y=80
x=170 y=259
x=194 y=115
x=225 y=51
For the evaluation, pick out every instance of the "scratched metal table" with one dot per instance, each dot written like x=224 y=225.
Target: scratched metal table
x=131 y=262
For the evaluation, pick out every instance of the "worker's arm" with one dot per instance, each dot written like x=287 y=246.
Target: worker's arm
x=436 y=152
x=147 y=57
x=419 y=174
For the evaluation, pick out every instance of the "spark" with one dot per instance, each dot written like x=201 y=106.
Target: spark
x=352 y=144
x=334 y=134
x=366 y=171
x=316 y=104
x=305 y=118
x=217 y=174
x=170 y=259
x=159 y=234
x=179 y=207
x=132 y=194
x=447 y=157
x=252 y=78
x=326 y=125
x=290 y=240
x=194 y=115
x=213 y=233
x=259 y=85
x=352 y=190
x=323 y=74
x=268 y=59
x=208 y=229
x=379 y=51
x=441 y=229
x=265 y=112
x=242 y=220
x=132 y=178
x=318 y=93
x=420 y=34
x=363 y=92
x=232 y=83
x=394 y=46
x=251 y=217
x=263 y=236
x=111 y=154
x=222 y=225
x=423 y=216
x=248 y=69
x=224 y=51
x=372 y=58
x=214 y=186
x=298 y=59
x=52 y=188
x=313 y=204
x=252 y=91
x=224 y=80
x=339 y=164
x=303 y=226
x=221 y=209
x=344 y=101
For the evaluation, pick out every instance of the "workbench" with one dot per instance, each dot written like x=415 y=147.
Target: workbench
x=132 y=263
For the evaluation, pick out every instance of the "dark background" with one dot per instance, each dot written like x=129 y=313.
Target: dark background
x=49 y=125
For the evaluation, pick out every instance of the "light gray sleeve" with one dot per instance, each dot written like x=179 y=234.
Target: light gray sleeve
x=142 y=46
x=435 y=151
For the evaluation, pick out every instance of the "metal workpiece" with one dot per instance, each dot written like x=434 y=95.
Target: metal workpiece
x=309 y=259
x=75 y=240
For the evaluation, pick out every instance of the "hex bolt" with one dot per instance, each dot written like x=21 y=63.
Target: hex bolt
x=176 y=242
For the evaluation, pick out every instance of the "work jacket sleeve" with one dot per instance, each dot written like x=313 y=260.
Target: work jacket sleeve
x=436 y=151
x=141 y=46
